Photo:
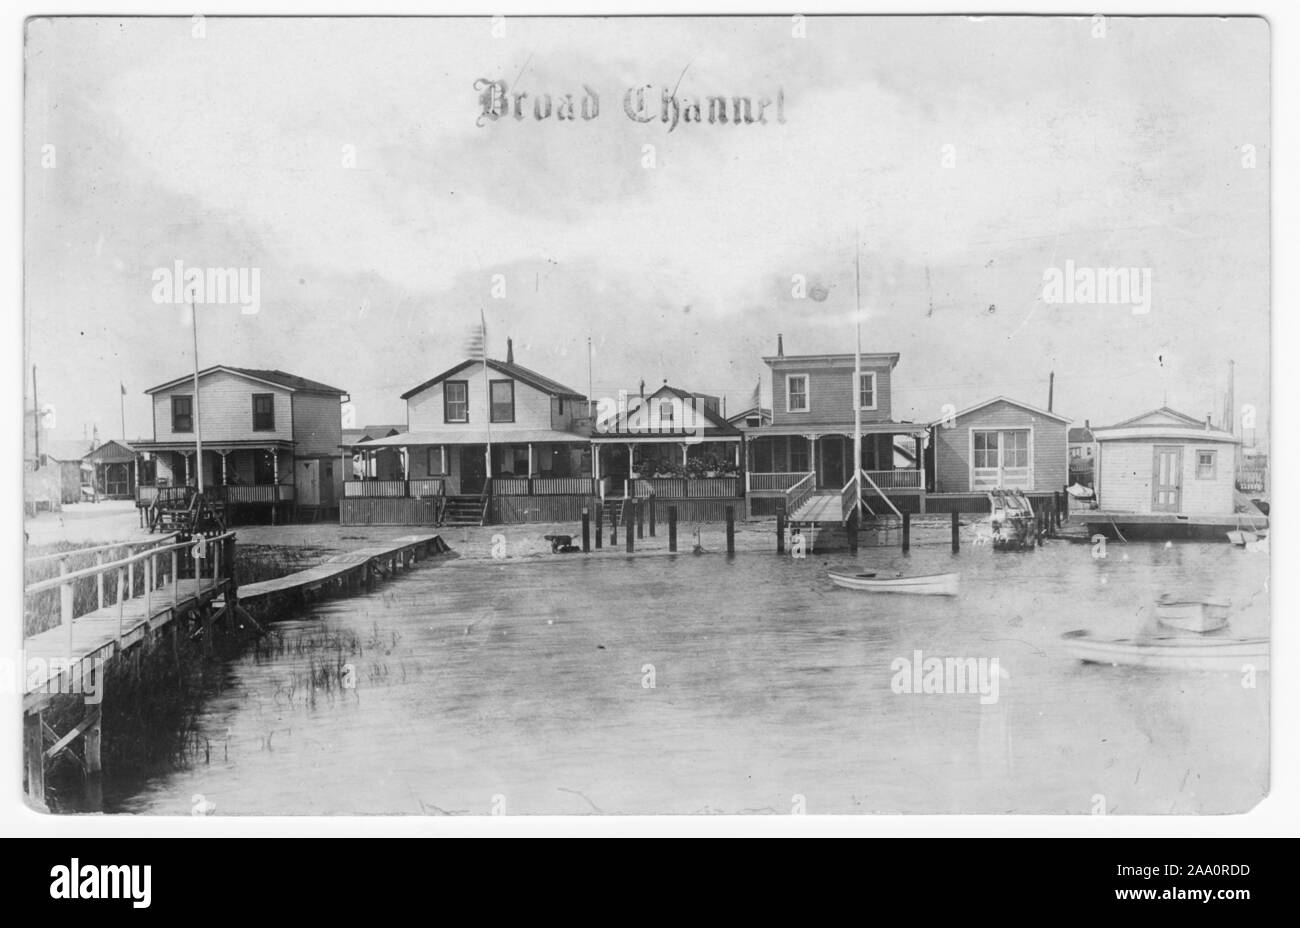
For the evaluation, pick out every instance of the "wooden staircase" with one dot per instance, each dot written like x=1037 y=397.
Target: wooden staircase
x=465 y=510
x=186 y=512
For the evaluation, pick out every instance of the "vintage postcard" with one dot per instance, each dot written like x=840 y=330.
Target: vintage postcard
x=646 y=415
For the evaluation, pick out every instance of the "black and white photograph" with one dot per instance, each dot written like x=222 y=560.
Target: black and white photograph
x=662 y=415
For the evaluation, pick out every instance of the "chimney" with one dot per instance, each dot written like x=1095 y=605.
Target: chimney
x=1087 y=425
x=642 y=388
x=1207 y=422
x=780 y=346
x=510 y=350
x=1051 y=389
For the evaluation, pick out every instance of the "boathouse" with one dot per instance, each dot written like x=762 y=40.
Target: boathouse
x=999 y=443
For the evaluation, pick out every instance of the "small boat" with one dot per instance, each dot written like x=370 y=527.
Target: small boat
x=1011 y=522
x=1193 y=615
x=928 y=585
x=1174 y=652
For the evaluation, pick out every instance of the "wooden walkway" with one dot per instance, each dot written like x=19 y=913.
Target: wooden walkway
x=344 y=570
x=823 y=507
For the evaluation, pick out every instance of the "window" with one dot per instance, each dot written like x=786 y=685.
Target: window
x=796 y=393
x=435 y=463
x=1205 y=461
x=561 y=402
x=503 y=400
x=753 y=422
x=867 y=391
x=455 y=400
x=1015 y=449
x=263 y=412
x=666 y=415
x=986 y=450
x=182 y=414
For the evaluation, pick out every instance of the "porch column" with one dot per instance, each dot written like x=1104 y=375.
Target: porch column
x=812 y=455
x=736 y=448
x=275 y=467
x=487 y=457
x=223 y=466
x=595 y=461
x=685 y=452
x=530 y=459
x=187 y=467
x=631 y=465
x=446 y=467
x=406 y=462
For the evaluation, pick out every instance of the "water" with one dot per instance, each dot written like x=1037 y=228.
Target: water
x=524 y=687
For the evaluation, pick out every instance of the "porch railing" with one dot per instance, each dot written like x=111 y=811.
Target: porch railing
x=901 y=479
x=848 y=498
x=1251 y=479
x=255 y=493
x=770 y=482
x=683 y=487
x=866 y=475
x=797 y=494
x=374 y=488
x=422 y=487
x=562 y=486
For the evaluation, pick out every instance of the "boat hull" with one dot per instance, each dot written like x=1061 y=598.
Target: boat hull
x=1192 y=615
x=931 y=585
x=1222 y=655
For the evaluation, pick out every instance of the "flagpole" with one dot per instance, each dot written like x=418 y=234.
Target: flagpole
x=857 y=374
x=198 y=422
x=487 y=388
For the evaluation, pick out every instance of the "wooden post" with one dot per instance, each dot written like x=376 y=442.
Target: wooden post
x=148 y=587
x=130 y=573
x=672 y=528
x=600 y=526
x=65 y=602
x=35 y=751
x=851 y=531
x=613 y=525
x=93 y=735
x=176 y=591
x=586 y=530
x=956 y=532
x=121 y=579
x=640 y=519
x=99 y=581
x=650 y=503
x=627 y=524
x=780 y=528
x=1039 y=520
x=1065 y=501
x=907 y=531
x=731 y=529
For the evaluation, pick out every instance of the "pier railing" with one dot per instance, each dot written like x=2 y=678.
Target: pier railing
x=138 y=575
x=848 y=498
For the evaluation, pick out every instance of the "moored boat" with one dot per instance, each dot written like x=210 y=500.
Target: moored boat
x=926 y=585
x=1174 y=652
x=1193 y=615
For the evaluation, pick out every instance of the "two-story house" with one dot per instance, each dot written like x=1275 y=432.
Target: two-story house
x=810 y=440
x=481 y=428
x=270 y=440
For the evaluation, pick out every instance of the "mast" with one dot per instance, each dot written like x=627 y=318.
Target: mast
x=857 y=376
x=487 y=387
x=198 y=422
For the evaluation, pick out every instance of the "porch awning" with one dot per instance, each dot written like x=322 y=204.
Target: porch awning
x=868 y=428
x=654 y=438
x=475 y=436
x=187 y=446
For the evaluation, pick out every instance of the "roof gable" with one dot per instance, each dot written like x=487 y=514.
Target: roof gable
x=1003 y=399
x=277 y=378
x=1162 y=417
x=516 y=371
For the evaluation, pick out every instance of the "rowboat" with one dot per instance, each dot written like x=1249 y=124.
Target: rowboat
x=927 y=585
x=1193 y=615
x=1175 y=652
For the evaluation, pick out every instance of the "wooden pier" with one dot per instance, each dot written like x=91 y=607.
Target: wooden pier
x=168 y=584
x=341 y=573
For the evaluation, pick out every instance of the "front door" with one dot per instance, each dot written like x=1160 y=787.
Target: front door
x=309 y=483
x=830 y=461
x=1167 y=479
x=473 y=469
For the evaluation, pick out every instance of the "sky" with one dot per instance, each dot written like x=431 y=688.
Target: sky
x=952 y=160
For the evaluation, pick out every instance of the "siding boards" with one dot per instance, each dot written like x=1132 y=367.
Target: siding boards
x=225 y=409
x=832 y=393
x=1049 y=445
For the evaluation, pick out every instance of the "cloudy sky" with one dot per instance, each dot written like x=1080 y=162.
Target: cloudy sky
x=962 y=157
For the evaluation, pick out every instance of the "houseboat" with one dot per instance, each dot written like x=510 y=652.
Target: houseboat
x=1165 y=474
x=270 y=442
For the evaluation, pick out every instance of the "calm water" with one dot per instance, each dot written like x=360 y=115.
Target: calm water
x=522 y=684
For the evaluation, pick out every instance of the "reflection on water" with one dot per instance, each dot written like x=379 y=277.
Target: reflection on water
x=702 y=684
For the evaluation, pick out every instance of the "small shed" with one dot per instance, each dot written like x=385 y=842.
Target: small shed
x=114 y=468
x=1000 y=442
x=65 y=455
x=1165 y=461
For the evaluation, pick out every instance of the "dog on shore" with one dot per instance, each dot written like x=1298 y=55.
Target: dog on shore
x=562 y=544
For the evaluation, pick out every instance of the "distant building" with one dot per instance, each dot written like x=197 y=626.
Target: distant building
x=65 y=455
